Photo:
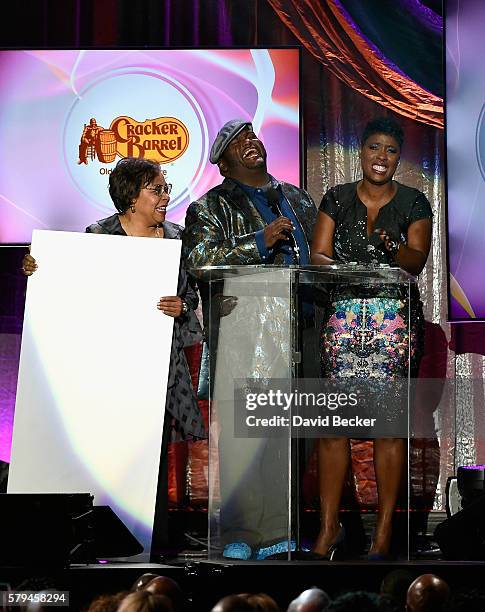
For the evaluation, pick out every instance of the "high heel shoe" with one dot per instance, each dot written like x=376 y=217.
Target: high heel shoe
x=377 y=556
x=336 y=546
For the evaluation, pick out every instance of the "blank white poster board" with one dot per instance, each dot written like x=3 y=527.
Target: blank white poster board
x=93 y=371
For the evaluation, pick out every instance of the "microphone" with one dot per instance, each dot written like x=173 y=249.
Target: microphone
x=378 y=243
x=375 y=240
x=273 y=197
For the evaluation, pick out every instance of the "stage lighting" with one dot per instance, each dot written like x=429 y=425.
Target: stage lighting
x=462 y=535
x=471 y=483
x=43 y=528
x=58 y=529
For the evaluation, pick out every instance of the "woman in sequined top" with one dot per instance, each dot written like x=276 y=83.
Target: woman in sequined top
x=373 y=221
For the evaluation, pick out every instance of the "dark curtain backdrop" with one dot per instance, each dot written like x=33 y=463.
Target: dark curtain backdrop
x=334 y=112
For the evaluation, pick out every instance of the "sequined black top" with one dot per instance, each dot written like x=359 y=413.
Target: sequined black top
x=351 y=242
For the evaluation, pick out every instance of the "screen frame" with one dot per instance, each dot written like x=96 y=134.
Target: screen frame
x=450 y=319
x=445 y=177
x=302 y=154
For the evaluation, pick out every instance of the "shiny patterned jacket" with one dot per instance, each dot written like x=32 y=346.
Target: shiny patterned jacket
x=181 y=401
x=220 y=227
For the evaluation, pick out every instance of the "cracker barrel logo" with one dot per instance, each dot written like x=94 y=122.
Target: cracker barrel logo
x=164 y=140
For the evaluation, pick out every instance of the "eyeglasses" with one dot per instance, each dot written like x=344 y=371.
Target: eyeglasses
x=159 y=189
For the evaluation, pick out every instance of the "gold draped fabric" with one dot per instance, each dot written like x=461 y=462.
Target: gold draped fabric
x=324 y=30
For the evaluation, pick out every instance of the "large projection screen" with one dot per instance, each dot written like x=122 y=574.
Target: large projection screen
x=465 y=135
x=93 y=371
x=62 y=107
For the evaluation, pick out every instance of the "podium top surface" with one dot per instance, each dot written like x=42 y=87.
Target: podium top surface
x=335 y=273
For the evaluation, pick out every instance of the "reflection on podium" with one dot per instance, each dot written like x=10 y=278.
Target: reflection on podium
x=270 y=405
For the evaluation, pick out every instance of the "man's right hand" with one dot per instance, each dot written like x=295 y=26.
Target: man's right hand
x=276 y=230
x=29 y=265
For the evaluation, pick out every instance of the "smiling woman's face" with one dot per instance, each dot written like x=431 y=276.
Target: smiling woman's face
x=379 y=157
x=151 y=206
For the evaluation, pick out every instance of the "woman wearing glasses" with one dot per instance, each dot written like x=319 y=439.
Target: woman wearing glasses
x=141 y=196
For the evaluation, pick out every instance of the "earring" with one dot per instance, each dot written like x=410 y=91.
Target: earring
x=132 y=207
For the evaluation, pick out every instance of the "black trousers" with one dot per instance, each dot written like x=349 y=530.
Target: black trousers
x=160 y=521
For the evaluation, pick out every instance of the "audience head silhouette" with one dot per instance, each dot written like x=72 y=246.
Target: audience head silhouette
x=428 y=593
x=310 y=600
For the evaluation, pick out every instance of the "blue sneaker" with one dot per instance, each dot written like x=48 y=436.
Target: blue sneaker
x=275 y=549
x=237 y=550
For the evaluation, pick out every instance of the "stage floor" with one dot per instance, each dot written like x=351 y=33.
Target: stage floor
x=205 y=581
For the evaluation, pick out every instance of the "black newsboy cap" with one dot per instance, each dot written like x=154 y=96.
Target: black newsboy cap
x=227 y=132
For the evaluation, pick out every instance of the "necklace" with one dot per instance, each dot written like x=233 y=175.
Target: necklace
x=158 y=233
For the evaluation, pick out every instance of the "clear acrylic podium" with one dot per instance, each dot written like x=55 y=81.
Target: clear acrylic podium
x=262 y=329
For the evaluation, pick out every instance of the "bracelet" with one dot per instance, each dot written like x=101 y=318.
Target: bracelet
x=185 y=307
x=393 y=247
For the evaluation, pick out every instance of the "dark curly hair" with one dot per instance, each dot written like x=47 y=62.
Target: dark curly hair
x=128 y=178
x=383 y=125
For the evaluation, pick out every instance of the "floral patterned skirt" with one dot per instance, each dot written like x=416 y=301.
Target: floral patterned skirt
x=369 y=338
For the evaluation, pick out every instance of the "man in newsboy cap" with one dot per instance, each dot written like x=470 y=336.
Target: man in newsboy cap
x=251 y=218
